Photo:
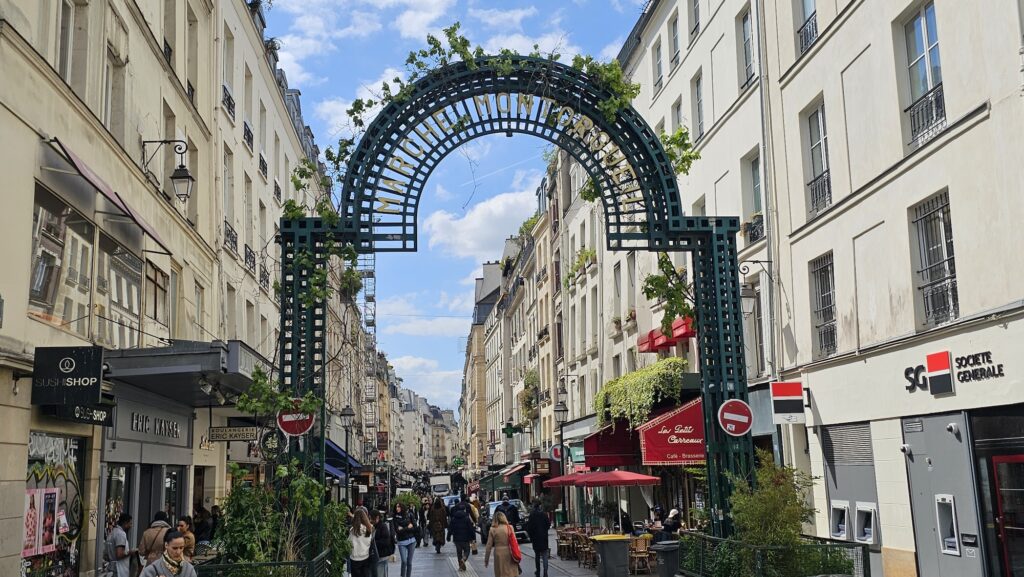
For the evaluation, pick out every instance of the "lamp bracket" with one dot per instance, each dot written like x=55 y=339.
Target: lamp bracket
x=745 y=268
x=180 y=148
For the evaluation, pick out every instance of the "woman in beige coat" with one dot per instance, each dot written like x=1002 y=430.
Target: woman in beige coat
x=498 y=540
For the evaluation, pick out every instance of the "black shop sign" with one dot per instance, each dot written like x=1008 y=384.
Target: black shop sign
x=67 y=376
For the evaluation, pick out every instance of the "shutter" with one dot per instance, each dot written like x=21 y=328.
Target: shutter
x=847 y=444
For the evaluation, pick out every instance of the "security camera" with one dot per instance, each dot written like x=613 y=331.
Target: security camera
x=906 y=450
x=953 y=428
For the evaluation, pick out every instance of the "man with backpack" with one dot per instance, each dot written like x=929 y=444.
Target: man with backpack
x=462 y=531
x=384 y=541
x=151 y=547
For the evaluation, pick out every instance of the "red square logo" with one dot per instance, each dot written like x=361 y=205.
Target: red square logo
x=937 y=362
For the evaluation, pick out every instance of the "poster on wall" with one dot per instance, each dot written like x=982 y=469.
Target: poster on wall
x=48 y=534
x=30 y=546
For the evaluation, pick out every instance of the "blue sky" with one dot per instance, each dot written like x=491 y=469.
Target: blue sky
x=337 y=50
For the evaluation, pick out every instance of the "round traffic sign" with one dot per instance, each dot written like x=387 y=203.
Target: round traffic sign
x=556 y=452
x=735 y=417
x=293 y=422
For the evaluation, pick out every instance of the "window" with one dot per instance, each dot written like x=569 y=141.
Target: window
x=231 y=316
x=172 y=303
x=673 y=32
x=632 y=289
x=927 y=111
x=823 y=284
x=229 y=58
x=695 y=15
x=156 y=294
x=820 y=186
x=61 y=264
x=936 y=277
x=748 y=48
x=119 y=311
x=759 y=332
x=808 y=32
x=755 y=222
x=698 y=106
x=617 y=288
x=170 y=30
x=192 y=57
x=677 y=115
x=65 y=36
x=229 y=177
x=656 y=62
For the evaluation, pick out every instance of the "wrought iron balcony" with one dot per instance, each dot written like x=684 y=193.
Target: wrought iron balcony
x=821 y=193
x=230 y=237
x=277 y=191
x=168 y=52
x=228 y=101
x=247 y=134
x=543 y=332
x=826 y=329
x=755 y=228
x=250 y=259
x=191 y=92
x=263 y=165
x=72 y=276
x=927 y=115
x=808 y=33
x=264 y=277
x=101 y=284
x=939 y=290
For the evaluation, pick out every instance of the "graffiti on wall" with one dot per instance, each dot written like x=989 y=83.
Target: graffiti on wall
x=54 y=509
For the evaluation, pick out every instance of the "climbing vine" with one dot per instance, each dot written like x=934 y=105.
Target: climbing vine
x=677 y=147
x=528 y=406
x=669 y=286
x=265 y=398
x=632 y=396
x=584 y=257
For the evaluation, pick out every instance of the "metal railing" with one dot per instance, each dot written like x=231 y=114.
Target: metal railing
x=263 y=165
x=264 y=277
x=755 y=228
x=228 y=101
x=168 y=52
x=277 y=191
x=247 y=133
x=821 y=193
x=706 y=556
x=190 y=91
x=927 y=115
x=230 y=237
x=319 y=566
x=808 y=33
x=250 y=259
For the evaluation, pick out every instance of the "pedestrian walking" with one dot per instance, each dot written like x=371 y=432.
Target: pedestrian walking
x=171 y=562
x=462 y=531
x=474 y=512
x=498 y=540
x=384 y=541
x=116 y=552
x=537 y=526
x=151 y=546
x=361 y=536
x=510 y=511
x=185 y=528
x=438 y=518
x=406 y=534
x=423 y=525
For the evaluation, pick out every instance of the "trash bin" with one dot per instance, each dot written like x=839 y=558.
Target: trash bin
x=668 y=557
x=613 y=555
x=560 y=517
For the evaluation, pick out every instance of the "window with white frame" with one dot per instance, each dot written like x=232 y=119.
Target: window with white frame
x=694 y=19
x=156 y=294
x=698 y=106
x=65 y=37
x=936 y=275
x=656 y=64
x=673 y=33
x=927 y=110
x=754 y=225
x=746 y=29
x=677 y=114
x=759 y=332
x=820 y=185
x=824 y=302
x=808 y=32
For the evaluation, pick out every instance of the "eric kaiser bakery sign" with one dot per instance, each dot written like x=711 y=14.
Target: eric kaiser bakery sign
x=941 y=370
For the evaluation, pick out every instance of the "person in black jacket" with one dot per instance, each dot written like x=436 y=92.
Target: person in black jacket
x=537 y=526
x=406 y=533
x=462 y=532
x=423 y=534
x=511 y=512
x=384 y=541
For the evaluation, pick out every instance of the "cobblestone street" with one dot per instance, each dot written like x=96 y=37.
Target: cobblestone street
x=427 y=563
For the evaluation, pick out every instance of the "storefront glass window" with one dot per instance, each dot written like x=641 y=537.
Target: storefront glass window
x=174 y=493
x=118 y=296
x=119 y=483
x=60 y=283
x=53 y=519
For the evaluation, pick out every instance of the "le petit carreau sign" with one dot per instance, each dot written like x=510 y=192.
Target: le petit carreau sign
x=67 y=375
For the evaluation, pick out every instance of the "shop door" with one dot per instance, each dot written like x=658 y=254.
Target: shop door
x=1009 y=482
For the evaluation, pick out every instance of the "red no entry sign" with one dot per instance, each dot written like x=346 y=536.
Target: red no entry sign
x=294 y=423
x=735 y=417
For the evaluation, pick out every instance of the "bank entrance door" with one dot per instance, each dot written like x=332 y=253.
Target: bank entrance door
x=1009 y=483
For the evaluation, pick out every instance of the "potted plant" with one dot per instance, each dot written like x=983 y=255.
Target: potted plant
x=632 y=315
x=617 y=322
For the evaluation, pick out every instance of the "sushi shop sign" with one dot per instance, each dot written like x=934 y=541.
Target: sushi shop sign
x=67 y=375
x=942 y=370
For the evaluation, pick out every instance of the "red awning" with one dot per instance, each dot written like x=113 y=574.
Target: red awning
x=663 y=341
x=618 y=479
x=682 y=328
x=512 y=471
x=644 y=343
x=675 y=438
x=612 y=447
x=529 y=478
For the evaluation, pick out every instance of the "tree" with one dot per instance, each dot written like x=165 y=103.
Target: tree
x=772 y=511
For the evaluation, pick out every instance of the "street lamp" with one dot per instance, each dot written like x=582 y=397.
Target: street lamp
x=181 y=179
x=347 y=417
x=561 y=416
x=748 y=298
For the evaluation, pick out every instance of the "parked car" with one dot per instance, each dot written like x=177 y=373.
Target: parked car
x=487 y=513
x=450 y=501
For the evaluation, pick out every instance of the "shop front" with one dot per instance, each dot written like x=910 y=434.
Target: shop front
x=670 y=444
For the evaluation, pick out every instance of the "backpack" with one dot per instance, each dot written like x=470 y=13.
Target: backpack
x=385 y=544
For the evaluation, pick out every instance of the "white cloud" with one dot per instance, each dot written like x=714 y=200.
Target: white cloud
x=459 y=303
x=333 y=111
x=440 y=387
x=443 y=194
x=470 y=279
x=430 y=327
x=620 y=5
x=556 y=41
x=480 y=234
x=363 y=25
x=399 y=305
x=420 y=17
x=505 y=19
x=611 y=50
x=476 y=150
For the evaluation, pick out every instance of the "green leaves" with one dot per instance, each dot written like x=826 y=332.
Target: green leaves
x=773 y=510
x=633 y=395
x=679 y=150
x=672 y=288
x=608 y=76
x=527 y=227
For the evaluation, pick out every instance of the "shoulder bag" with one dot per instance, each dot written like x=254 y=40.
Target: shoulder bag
x=513 y=545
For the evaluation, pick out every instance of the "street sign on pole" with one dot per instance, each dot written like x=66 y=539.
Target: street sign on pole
x=293 y=422
x=735 y=417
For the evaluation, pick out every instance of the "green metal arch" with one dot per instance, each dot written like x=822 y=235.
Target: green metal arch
x=452 y=95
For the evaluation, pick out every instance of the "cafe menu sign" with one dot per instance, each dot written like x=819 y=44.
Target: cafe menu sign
x=67 y=376
x=675 y=438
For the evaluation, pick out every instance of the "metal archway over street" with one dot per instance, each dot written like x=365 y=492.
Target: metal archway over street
x=453 y=105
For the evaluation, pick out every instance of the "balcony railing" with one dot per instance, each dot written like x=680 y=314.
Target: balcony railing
x=168 y=52
x=821 y=193
x=101 y=284
x=927 y=115
x=755 y=228
x=264 y=277
x=191 y=92
x=826 y=329
x=230 y=237
x=808 y=33
x=263 y=165
x=228 y=101
x=247 y=134
x=72 y=277
x=250 y=259
x=277 y=191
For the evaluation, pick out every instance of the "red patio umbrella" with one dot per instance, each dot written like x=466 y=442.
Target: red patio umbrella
x=617 y=479
x=565 y=480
